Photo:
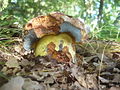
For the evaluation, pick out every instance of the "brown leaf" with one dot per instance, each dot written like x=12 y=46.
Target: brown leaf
x=61 y=56
x=14 y=84
x=49 y=80
x=114 y=88
x=32 y=85
x=12 y=62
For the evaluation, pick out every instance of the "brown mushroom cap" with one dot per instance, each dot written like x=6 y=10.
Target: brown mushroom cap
x=44 y=25
x=50 y=24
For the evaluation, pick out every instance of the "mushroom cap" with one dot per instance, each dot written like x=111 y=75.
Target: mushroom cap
x=51 y=24
x=43 y=25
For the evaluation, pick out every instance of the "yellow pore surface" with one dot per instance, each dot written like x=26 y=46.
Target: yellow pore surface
x=41 y=47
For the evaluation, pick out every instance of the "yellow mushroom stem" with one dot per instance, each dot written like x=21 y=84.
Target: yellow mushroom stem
x=61 y=42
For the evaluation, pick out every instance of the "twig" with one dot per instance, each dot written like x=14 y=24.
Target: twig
x=101 y=63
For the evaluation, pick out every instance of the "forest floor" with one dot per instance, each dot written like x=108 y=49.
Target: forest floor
x=97 y=67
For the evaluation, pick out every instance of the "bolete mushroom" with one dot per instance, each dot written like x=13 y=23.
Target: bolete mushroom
x=54 y=35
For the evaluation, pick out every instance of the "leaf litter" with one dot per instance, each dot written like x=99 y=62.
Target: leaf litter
x=94 y=70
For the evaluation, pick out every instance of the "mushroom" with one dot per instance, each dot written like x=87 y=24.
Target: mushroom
x=54 y=35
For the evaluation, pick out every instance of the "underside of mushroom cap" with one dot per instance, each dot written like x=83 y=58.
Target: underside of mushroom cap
x=57 y=46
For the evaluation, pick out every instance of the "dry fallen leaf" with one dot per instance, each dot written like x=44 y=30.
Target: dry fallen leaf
x=14 y=84
x=32 y=85
x=114 y=88
x=49 y=80
x=61 y=56
x=12 y=62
